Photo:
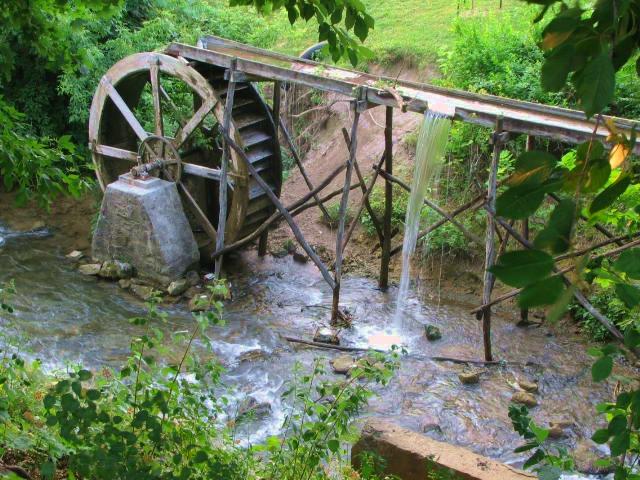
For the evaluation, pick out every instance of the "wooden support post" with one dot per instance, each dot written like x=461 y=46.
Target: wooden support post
x=524 y=312
x=226 y=153
x=383 y=281
x=365 y=197
x=342 y=213
x=492 y=186
x=277 y=90
x=283 y=211
x=303 y=171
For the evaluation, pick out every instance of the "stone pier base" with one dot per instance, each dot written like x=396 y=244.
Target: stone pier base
x=411 y=456
x=142 y=223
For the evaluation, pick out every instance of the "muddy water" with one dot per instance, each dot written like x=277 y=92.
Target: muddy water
x=71 y=318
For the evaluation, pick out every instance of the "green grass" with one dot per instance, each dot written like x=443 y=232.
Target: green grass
x=410 y=30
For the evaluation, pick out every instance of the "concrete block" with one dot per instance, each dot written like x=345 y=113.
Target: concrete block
x=142 y=223
x=412 y=456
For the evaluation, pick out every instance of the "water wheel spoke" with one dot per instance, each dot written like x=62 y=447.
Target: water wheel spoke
x=115 y=152
x=179 y=117
x=197 y=212
x=154 y=73
x=183 y=134
x=126 y=112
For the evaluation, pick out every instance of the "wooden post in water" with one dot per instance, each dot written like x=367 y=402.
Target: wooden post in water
x=264 y=237
x=343 y=212
x=226 y=153
x=490 y=247
x=383 y=281
x=524 y=313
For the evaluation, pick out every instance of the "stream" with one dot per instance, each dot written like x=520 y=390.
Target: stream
x=67 y=317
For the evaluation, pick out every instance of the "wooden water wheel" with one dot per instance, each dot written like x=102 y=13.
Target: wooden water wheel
x=151 y=107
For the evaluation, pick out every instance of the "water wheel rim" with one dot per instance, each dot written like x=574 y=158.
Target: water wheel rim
x=134 y=66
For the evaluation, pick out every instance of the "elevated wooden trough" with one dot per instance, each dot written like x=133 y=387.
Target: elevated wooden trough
x=220 y=68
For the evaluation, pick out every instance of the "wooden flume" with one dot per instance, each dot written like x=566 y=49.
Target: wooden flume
x=220 y=74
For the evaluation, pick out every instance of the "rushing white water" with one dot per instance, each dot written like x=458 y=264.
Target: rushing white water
x=432 y=141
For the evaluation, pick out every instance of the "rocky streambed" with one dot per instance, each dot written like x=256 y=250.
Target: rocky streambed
x=66 y=316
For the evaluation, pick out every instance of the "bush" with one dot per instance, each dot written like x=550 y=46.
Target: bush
x=37 y=168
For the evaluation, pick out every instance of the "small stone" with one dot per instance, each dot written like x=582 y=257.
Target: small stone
x=252 y=408
x=469 y=378
x=326 y=335
x=524 y=398
x=252 y=356
x=178 y=287
x=556 y=432
x=143 y=292
x=527 y=386
x=37 y=225
x=432 y=333
x=343 y=364
x=75 y=255
x=115 y=270
x=209 y=277
x=193 y=278
x=300 y=257
x=90 y=269
x=124 y=283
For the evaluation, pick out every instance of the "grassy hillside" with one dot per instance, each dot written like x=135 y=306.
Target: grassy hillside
x=410 y=29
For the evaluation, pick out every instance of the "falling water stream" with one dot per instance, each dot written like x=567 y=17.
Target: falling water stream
x=430 y=149
x=66 y=318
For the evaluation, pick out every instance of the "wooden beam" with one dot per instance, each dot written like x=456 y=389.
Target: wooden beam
x=490 y=255
x=342 y=215
x=224 y=166
x=285 y=213
x=385 y=260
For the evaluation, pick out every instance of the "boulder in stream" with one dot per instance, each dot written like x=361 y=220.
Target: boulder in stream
x=527 y=386
x=432 y=333
x=115 y=270
x=342 y=364
x=143 y=292
x=524 y=398
x=91 y=269
x=252 y=408
x=178 y=287
x=193 y=278
x=469 y=377
x=75 y=255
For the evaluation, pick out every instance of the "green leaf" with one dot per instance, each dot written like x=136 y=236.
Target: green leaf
x=617 y=425
x=629 y=263
x=620 y=443
x=631 y=337
x=557 y=67
x=629 y=294
x=544 y=292
x=520 y=201
x=361 y=29
x=540 y=433
x=334 y=445
x=533 y=168
x=556 y=236
x=200 y=457
x=534 y=459
x=522 y=267
x=602 y=368
x=526 y=447
x=595 y=84
x=47 y=469
x=601 y=436
x=610 y=194
x=84 y=375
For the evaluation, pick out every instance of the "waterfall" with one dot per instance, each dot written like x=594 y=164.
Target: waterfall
x=432 y=141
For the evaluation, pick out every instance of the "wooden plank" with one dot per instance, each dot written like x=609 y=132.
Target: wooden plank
x=114 y=152
x=342 y=216
x=490 y=253
x=201 y=171
x=125 y=110
x=518 y=116
x=154 y=73
x=285 y=213
x=226 y=155
x=183 y=133
x=385 y=259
